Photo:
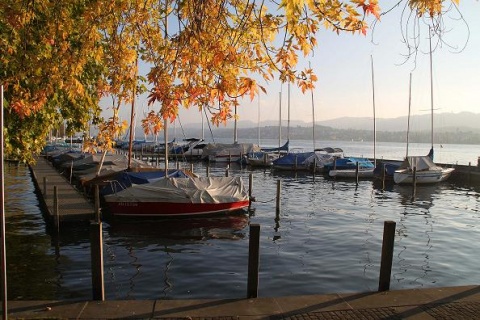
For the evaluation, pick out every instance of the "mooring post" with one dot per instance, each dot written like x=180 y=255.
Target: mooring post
x=45 y=187
x=387 y=256
x=96 y=254
x=208 y=169
x=97 y=203
x=384 y=173
x=414 y=182
x=56 y=215
x=226 y=171
x=253 y=261
x=250 y=185
x=357 y=169
x=191 y=167
x=279 y=187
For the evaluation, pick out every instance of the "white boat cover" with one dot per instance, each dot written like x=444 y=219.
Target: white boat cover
x=184 y=190
x=420 y=162
x=224 y=149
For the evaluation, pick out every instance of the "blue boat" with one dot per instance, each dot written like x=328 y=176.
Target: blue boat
x=312 y=160
x=349 y=163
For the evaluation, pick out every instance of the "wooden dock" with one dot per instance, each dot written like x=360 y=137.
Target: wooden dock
x=69 y=205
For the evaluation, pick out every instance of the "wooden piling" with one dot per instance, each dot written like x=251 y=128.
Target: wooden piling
x=414 y=182
x=56 y=214
x=97 y=203
x=253 y=261
x=96 y=253
x=279 y=187
x=250 y=185
x=387 y=256
x=357 y=171
x=45 y=187
x=208 y=170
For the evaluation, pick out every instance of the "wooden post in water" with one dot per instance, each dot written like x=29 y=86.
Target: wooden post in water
x=45 y=187
x=97 y=203
x=208 y=169
x=250 y=185
x=56 y=215
x=357 y=169
x=279 y=187
x=253 y=261
x=295 y=168
x=383 y=175
x=414 y=182
x=469 y=172
x=226 y=171
x=387 y=255
x=96 y=254
x=191 y=167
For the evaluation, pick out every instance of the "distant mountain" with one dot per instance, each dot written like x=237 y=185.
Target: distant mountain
x=449 y=128
x=453 y=121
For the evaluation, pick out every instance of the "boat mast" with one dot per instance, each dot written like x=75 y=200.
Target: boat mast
x=431 y=89
x=132 y=118
x=374 y=118
x=288 y=121
x=409 y=107
x=203 y=127
x=235 y=140
x=280 y=119
x=165 y=121
x=258 y=120
x=313 y=114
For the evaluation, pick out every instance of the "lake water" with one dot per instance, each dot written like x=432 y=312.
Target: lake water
x=327 y=238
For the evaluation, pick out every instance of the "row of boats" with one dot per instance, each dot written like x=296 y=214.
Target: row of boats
x=328 y=160
x=130 y=187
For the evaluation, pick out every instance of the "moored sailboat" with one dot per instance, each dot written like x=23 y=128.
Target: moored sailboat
x=422 y=169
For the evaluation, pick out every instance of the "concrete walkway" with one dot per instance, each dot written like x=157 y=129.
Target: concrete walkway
x=434 y=303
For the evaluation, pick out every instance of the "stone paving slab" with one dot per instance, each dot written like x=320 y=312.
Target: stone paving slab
x=414 y=304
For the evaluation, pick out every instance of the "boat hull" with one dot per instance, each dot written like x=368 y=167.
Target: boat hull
x=351 y=173
x=422 y=177
x=166 y=209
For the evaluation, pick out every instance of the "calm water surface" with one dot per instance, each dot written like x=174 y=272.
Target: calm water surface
x=327 y=238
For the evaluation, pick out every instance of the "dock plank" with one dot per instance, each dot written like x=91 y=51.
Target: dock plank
x=73 y=205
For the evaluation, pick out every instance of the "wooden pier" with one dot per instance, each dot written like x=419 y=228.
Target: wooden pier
x=62 y=201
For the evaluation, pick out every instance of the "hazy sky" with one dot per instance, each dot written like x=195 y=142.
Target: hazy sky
x=343 y=66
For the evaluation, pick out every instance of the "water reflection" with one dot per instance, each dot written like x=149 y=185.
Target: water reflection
x=229 y=226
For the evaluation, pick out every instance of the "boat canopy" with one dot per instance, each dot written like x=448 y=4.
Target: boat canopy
x=185 y=190
x=125 y=179
x=224 y=149
x=419 y=162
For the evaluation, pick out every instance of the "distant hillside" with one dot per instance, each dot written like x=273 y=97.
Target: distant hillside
x=452 y=121
x=461 y=128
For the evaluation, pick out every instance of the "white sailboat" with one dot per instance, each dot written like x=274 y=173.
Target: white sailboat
x=422 y=169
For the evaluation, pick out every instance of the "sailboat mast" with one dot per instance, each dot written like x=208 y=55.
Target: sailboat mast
x=203 y=127
x=288 y=122
x=374 y=118
x=258 y=120
x=280 y=120
x=165 y=121
x=132 y=118
x=409 y=108
x=235 y=140
x=313 y=115
x=431 y=86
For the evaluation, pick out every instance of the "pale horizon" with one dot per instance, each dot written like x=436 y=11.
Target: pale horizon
x=344 y=88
